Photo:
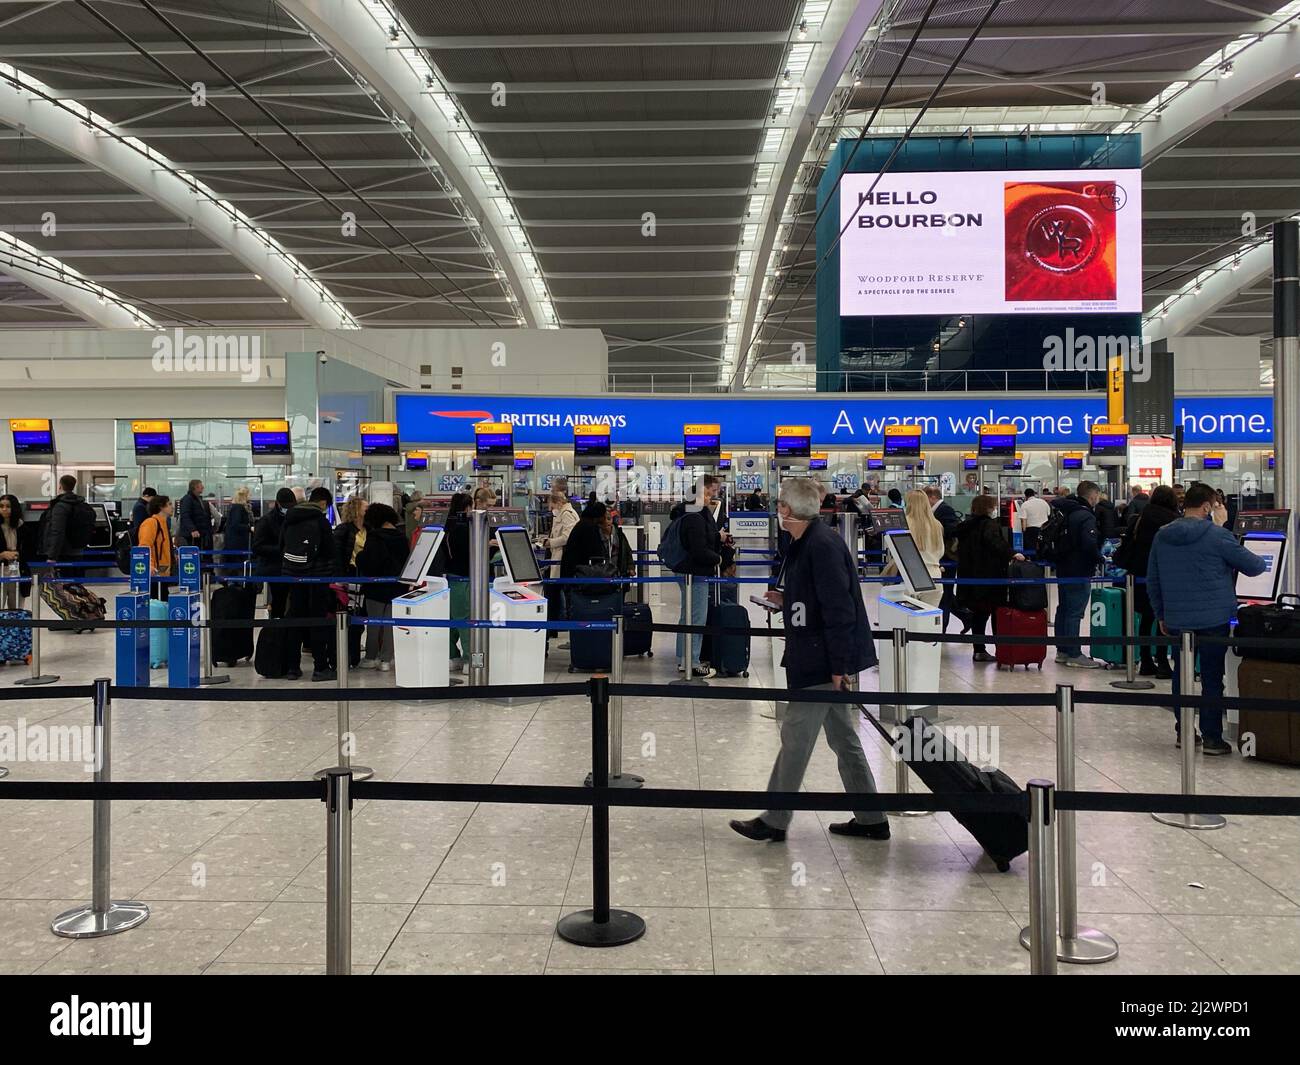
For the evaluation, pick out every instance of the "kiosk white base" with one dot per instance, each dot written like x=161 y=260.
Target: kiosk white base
x=516 y=656
x=898 y=610
x=421 y=651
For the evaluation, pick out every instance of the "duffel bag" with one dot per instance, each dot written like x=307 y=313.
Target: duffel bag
x=1274 y=621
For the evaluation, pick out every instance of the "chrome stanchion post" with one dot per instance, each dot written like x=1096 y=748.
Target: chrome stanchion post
x=902 y=784
x=205 y=634
x=1130 y=681
x=1187 y=729
x=600 y=926
x=346 y=739
x=479 y=599
x=338 y=870
x=617 y=778
x=1084 y=946
x=103 y=917
x=1042 y=878
x=36 y=676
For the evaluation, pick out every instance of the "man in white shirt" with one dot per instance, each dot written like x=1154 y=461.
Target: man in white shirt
x=1033 y=513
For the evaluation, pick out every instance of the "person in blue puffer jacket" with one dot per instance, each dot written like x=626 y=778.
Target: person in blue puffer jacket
x=1191 y=582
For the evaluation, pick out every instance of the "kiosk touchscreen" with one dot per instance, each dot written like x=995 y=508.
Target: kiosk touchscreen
x=421 y=650
x=900 y=608
x=1271 y=547
x=517 y=655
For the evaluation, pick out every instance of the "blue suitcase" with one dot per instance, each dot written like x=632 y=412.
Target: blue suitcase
x=591 y=652
x=157 y=637
x=15 y=640
x=728 y=653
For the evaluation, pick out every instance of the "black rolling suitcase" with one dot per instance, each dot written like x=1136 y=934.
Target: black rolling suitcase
x=637 y=642
x=232 y=603
x=591 y=651
x=945 y=771
x=728 y=653
x=271 y=659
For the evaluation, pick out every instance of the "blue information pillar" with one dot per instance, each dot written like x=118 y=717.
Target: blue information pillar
x=183 y=608
x=133 y=643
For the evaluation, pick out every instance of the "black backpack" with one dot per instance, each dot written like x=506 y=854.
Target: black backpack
x=1054 y=537
x=126 y=540
x=302 y=548
x=80 y=525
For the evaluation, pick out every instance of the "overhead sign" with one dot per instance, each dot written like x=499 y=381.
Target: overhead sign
x=991 y=242
x=852 y=420
x=33 y=440
x=153 y=442
x=902 y=441
x=416 y=461
x=269 y=439
x=998 y=440
x=379 y=440
x=1150 y=460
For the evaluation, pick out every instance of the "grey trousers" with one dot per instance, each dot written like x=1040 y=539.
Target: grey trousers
x=799 y=729
x=379 y=638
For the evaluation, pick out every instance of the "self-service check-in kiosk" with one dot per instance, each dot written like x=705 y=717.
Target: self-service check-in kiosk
x=900 y=609
x=517 y=655
x=1263 y=532
x=421 y=651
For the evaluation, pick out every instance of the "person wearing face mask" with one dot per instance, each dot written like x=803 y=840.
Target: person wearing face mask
x=827 y=644
x=1191 y=582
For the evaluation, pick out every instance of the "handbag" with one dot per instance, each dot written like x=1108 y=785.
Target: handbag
x=1278 y=621
x=600 y=568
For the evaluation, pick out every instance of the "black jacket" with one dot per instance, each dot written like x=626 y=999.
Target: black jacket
x=139 y=512
x=1135 y=551
x=345 y=541
x=384 y=555
x=702 y=543
x=827 y=631
x=267 y=552
x=194 y=517
x=584 y=544
x=325 y=563
x=1108 y=524
x=1083 y=552
x=982 y=554
x=453 y=555
x=54 y=526
x=238 y=529
x=946 y=516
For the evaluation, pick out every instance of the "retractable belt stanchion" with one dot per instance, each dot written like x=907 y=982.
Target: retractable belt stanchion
x=1083 y=946
x=902 y=785
x=1042 y=879
x=338 y=870
x=617 y=778
x=1187 y=728
x=479 y=579
x=1130 y=681
x=205 y=589
x=37 y=677
x=103 y=917
x=347 y=740
x=640 y=569
x=600 y=926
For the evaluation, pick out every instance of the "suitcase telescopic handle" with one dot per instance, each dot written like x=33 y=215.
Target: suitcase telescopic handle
x=1288 y=595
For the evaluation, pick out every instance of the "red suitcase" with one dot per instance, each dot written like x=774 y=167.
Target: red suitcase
x=1008 y=621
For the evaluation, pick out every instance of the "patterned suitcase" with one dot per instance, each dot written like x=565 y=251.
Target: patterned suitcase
x=15 y=640
x=1008 y=621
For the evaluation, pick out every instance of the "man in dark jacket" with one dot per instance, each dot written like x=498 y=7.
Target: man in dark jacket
x=827 y=644
x=943 y=511
x=1137 y=501
x=267 y=552
x=1133 y=555
x=1192 y=583
x=703 y=546
x=307 y=550
x=1080 y=558
x=195 y=528
x=68 y=525
x=141 y=509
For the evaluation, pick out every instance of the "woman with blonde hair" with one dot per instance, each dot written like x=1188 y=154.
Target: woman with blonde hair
x=927 y=533
x=238 y=532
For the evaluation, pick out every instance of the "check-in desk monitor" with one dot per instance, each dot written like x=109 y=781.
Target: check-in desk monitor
x=421 y=651
x=907 y=559
x=517 y=655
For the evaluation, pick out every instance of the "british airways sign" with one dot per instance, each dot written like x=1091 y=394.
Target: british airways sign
x=841 y=420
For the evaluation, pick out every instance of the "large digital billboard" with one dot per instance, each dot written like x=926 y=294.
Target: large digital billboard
x=991 y=242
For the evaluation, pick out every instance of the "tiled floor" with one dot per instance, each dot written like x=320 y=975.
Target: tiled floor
x=239 y=886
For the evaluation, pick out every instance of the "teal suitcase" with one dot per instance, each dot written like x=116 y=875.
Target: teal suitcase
x=157 y=637
x=1106 y=618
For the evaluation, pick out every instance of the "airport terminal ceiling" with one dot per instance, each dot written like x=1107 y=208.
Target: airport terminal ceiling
x=643 y=169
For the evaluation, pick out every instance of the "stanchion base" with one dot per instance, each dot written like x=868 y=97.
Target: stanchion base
x=4 y=772
x=909 y=813
x=1133 y=685
x=622 y=780
x=85 y=923
x=694 y=682
x=359 y=772
x=223 y=678
x=44 y=678
x=1193 y=822
x=1087 y=947
x=581 y=928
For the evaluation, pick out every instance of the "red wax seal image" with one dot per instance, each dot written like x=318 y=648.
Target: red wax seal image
x=1060 y=240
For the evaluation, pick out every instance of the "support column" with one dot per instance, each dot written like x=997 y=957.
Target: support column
x=1286 y=381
